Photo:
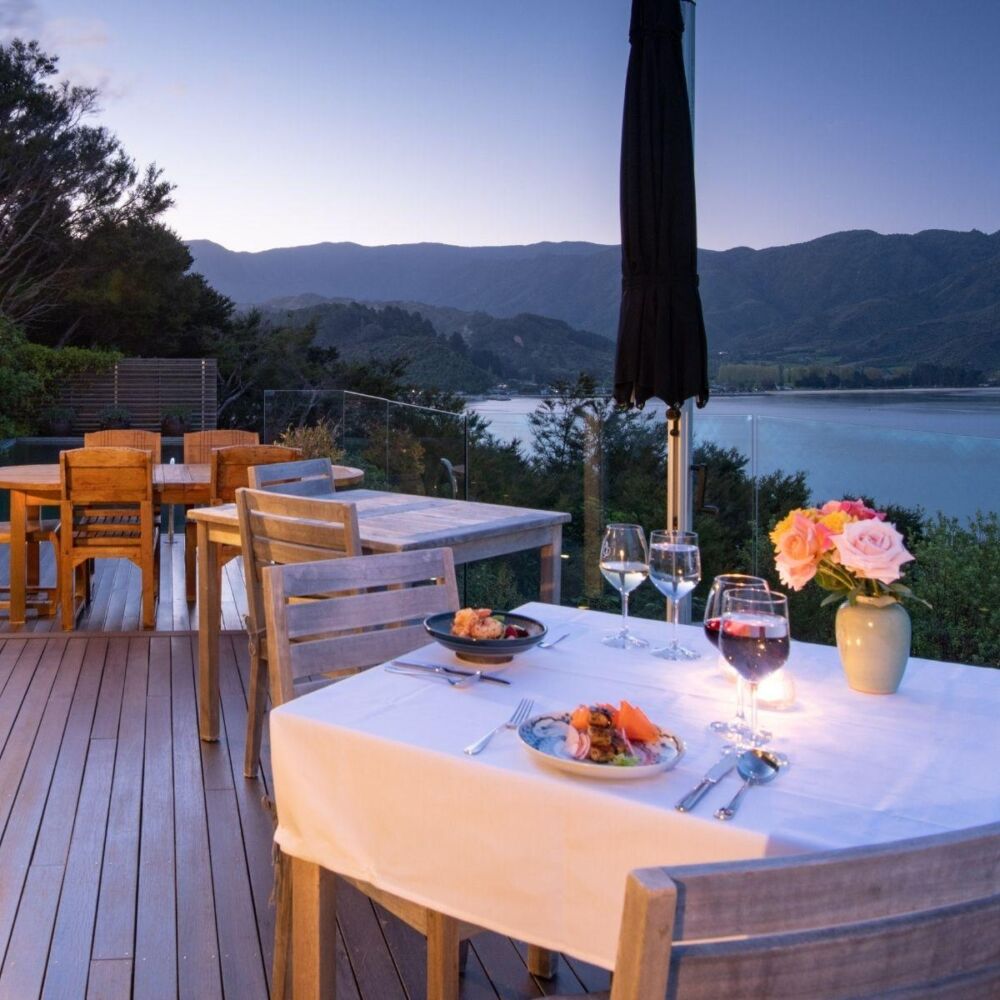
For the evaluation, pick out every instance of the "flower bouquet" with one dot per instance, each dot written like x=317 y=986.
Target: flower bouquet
x=848 y=548
x=852 y=551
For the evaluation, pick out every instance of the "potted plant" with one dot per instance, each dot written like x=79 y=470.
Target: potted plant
x=114 y=418
x=59 y=420
x=174 y=421
x=852 y=551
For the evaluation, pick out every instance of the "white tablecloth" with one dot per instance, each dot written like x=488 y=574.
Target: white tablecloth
x=371 y=781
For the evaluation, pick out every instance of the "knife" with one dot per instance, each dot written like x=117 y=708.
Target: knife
x=432 y=668
x=713 y=777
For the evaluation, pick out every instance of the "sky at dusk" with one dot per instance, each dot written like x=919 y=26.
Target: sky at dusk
x=484 y=122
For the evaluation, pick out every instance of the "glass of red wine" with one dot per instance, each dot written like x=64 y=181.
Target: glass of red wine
x=737 y=728
x=754 y=639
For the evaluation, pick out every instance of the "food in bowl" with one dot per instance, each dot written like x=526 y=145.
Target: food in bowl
x=480 y=623
x=621 y=736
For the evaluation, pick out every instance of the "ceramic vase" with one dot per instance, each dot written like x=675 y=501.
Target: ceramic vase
x=873 y=637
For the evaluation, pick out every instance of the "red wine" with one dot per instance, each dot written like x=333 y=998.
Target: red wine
x=754 y=644
x=712 y=626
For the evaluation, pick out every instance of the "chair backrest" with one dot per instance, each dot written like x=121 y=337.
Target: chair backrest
x=363 y=611
x=230 y=466
x=905 y=916
x=147 y=440
x=309 y=477
x=115 y=476
x=198 y=445
x=276 y=530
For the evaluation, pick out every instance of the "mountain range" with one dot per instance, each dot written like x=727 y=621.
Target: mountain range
x=855 y=297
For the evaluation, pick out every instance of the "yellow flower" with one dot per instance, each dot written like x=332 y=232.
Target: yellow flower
x=835 y=521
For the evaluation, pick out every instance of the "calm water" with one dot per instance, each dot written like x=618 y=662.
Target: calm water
x=939 y=449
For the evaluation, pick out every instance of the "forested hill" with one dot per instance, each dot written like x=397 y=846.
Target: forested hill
x=848 y=297
x=447 y=348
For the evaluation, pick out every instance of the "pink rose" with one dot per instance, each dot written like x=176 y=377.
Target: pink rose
x=855 y=508
x=799 y=550
x=872 y=550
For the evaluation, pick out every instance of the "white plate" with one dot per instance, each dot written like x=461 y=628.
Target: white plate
x=544 y=737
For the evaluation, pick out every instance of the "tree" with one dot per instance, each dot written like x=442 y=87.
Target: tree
x=60 y=181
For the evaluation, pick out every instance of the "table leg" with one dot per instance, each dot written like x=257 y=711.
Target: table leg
x=551 y=578
x=209 y=626
x=18 y=547
x=314 y=932
x=541 y=962
x=32 y=553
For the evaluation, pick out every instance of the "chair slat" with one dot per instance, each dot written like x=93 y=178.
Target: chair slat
x=360 y=651
x=857 y=960
x=759 y=896
x=308 y=477
x=198 y=445
x=150 y=441
x=385 y=608
x=231 y=465
x=387 y=570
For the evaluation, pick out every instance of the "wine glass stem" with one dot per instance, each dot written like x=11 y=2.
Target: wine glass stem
x=752 y=685
x=624 y=612
x=675 y=620
x=740 y=698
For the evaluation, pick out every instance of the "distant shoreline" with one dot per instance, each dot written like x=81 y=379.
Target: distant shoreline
x=955 y=390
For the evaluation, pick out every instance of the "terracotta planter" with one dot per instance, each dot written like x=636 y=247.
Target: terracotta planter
x=172 y=426
x=873 y=637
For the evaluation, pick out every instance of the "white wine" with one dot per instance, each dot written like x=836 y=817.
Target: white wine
x=624 y=576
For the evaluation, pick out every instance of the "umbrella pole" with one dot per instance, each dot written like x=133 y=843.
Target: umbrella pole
x=679 y=494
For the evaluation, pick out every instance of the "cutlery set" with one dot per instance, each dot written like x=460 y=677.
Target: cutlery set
x=755 y=767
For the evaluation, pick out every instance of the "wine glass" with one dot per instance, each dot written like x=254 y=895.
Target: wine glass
x=737 y=727
x=675 y=569
x=754 y=638
x=624 y=564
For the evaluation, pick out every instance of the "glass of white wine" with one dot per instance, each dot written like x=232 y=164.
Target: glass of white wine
x=624 y=564
x=675 y=569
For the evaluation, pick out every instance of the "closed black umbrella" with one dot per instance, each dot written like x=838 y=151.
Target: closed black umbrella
x=661 y=333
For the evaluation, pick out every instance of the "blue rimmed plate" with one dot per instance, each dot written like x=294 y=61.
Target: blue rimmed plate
x=544 y=737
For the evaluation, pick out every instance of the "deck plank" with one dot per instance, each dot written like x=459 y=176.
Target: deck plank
x=69 y=954
x=198 y=974
x=27 y=807
x=114 y=935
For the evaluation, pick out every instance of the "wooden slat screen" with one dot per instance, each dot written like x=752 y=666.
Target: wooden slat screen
x=147 y=387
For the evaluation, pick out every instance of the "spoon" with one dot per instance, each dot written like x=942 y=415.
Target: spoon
x=756 y=767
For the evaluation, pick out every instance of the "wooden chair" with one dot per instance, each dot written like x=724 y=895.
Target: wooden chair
x=911 y=919
x=106 y=512
x=38 y=531
x=146 y=440
x=276 y=529
x=311 y=477
x=230 y=472
x=198 y=445
x=386 y=597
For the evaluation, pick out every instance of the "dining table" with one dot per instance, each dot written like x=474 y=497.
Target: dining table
x=34 y=486
x=371 y=781
x=387 y=522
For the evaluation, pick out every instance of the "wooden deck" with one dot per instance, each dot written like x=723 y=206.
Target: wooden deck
x=135 y=860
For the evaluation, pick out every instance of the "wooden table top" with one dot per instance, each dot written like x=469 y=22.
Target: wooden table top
x=44 y=479
x=399 y=521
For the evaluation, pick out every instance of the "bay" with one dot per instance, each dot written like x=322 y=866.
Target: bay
x=934 y=448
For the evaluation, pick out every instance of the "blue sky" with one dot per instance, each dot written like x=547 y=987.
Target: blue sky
x=478 y=122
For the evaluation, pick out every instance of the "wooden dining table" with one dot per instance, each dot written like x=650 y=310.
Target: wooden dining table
x=371 y=781
x=34 y=486
x=387 y=522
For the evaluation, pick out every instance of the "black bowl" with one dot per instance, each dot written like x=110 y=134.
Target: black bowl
x=485 y=650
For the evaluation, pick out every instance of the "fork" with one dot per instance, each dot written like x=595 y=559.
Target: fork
x=520 y=714
x=549 y=643
x=436 y=674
